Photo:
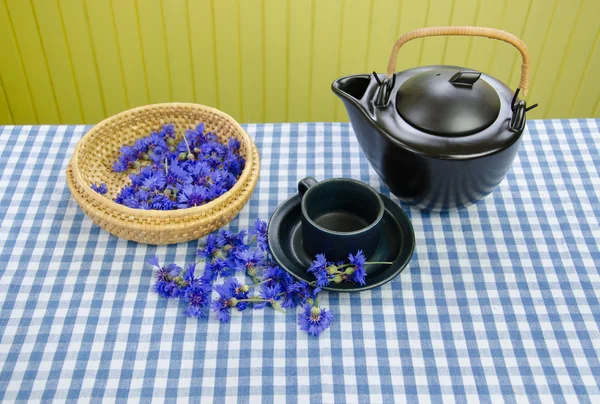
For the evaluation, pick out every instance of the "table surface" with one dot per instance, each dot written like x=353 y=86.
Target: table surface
x=500 y=300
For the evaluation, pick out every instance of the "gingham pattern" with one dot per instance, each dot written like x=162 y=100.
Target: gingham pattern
x=500 y=300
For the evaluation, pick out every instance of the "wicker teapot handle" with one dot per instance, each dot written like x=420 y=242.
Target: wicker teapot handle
x=466 y=31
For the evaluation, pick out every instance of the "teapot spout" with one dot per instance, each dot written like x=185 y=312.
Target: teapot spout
x=351 y=88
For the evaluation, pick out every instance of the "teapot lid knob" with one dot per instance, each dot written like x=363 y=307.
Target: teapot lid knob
x=465 y=78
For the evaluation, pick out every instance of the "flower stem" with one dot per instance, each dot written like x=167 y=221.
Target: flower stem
x=185 y=140
x=253 y=300
x=259 y=300
x=166 y=167
x=366 y=263
x=259 y=283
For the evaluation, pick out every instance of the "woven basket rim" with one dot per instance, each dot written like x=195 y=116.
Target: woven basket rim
x=252 y=158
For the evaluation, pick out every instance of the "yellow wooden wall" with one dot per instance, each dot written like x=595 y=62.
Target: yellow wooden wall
x=73 y=61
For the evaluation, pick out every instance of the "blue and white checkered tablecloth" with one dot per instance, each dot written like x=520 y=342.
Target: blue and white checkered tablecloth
x=500 y=300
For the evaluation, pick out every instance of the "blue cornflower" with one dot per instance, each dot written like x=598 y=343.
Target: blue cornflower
x=219 y=266
x=189 y=274
x=177 y=177
x=234 y=163
x=259 y=230
x=198 y=170
x=141 y=146
x=142 y=194
x=208 y=276
x=144 y=205
x=130 y=201
x=234 y=144
x=198 y=297
x=156 y=181
x=226 y=237
x=277 y=276
x=215 y=149
x=125 y=193
x=247 y=259
x=214 y=167
x=314 y=320
x=129 y=155
x=168 y=130
x=191 y=195
x=222 y=306
x=138 y=179
x=211 y=137
x=229 y=293
x=271 y=294
x=210 y=246
x=156 y=140
x=166 y=284
x=200 y=128
x=215 y=177
x=214 y=162
x=296 y=294
x=239 y=291
x=120 y=166
x=323 y=279
x=214 y=191
x=358 y=274
x=162 y=202
x=319 y=269
x=158 y=156
x=320 y=263
x=101 y=189
x=228 y=180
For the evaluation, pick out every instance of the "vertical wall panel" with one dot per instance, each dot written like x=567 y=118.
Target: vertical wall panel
x=99 y=17
x=203 y=49
x=300 y=54
x=273 y=60
x=482 y=49
x=434 y=48
x=383 y=34
x=514 y=17
x=588 y=93
x=535 y=36
x=252 y=61
x=326 y=52
x=353 y=57
x=35 y=65
x=275 y=28
x=557 y=40
x=175 y=20
x=5 y=113
x=413 y=15
x=572 y=70
x=83 y=59
x=465 y=12
x=225 y=19
x=16 y=87
x=127 y=32
x=156 y=59
x=58 y=57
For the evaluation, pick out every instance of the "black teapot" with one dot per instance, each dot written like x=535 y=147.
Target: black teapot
x=440 y=137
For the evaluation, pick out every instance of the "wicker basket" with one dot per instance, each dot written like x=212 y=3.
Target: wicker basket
x=95 y=153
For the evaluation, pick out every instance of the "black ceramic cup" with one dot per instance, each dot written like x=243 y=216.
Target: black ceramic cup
x=339 y=216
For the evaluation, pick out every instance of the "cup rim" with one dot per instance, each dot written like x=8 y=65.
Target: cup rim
x=343 y=233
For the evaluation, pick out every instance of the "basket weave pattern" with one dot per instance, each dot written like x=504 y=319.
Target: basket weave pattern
x=95 y=153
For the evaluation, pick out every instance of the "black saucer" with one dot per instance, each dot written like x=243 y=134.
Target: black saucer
x=396 y=245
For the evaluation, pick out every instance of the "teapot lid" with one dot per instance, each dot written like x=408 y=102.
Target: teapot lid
x=448 y=102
